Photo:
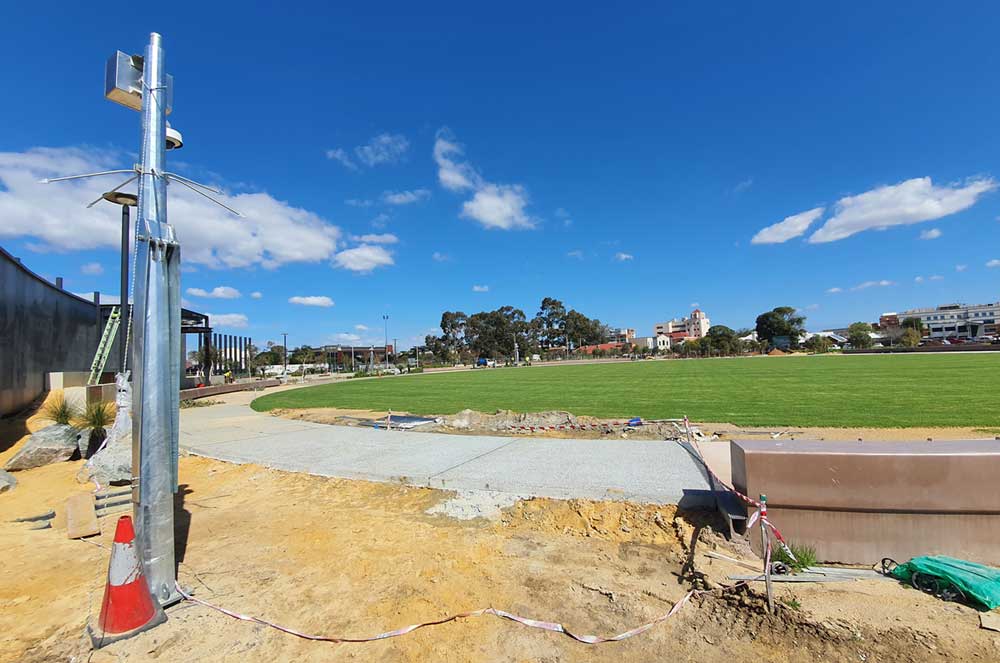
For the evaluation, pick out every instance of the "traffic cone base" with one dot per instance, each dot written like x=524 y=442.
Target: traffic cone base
x=128 y=607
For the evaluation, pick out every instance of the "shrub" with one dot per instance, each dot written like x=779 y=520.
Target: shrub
x=59 y=411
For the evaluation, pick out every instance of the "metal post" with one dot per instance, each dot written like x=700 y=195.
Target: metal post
x=765 y=543
x=385 y=320
x=157 y=343
x=285 y=353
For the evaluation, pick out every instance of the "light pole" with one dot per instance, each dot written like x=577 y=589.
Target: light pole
x=284 y=353
x=385 y=320
x=126 y=200
x=337 y=359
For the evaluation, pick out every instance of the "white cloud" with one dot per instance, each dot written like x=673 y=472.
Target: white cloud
x=361 y=327
x=405 y=197
x=228 y=320
x=873 y=284
x=380 y=221
x=499 y=206
x=437 y=256
x=931 y=233
x=694 y=305
x=576 y=253
x=219 y=292
x=495 y=206
x=480 y=288
x=311 y=300
x=812 y=307
x=341 y=155
x=911 y=201
x=993 y=263
x=363 y=258
x=385 y=238
x=918 y=279
x=833 y=291
x=743 y=186
x=961 y=268
x=383 y=148
x=453 y=175
x=936 y=277
x=344 y=337
x=92 y=269
x=359 y=202
x=272 y=234
x=562 y=213
x=623 y=257
x=256 y=295
x=789 y=228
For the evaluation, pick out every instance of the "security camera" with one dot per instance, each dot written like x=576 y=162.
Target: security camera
x=174 y=139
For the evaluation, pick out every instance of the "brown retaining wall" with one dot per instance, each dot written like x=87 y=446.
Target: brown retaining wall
x=857 y=502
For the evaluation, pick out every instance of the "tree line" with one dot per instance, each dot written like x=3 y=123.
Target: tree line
x=493 y=333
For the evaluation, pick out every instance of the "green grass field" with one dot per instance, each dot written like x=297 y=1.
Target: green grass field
x=885 y=391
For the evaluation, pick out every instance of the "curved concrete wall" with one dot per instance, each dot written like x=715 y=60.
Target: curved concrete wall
x=43 y=329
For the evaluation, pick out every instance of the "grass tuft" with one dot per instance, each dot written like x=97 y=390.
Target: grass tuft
x=59 y=411
x=95 y=416
x=805 y=556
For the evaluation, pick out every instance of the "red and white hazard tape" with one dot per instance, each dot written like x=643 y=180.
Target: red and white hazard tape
x=555 y=627
x=746 y=498
x=611 y=424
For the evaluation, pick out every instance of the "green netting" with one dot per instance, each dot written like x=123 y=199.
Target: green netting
x=979 y=583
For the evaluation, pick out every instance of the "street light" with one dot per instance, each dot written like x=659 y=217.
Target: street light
x=126 y=200
x=285 y=353
x=385 y=320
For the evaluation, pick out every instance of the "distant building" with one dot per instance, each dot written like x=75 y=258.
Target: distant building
x=694 y=326
x=621 y=335
x=952 y=320
x=606 y=347
x=659 y=342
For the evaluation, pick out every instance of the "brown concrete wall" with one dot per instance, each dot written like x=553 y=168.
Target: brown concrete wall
x=860 y=502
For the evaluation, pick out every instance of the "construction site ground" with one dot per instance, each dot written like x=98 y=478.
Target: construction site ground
x=353 y=558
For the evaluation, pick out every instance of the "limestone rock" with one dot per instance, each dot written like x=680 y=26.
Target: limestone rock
x=52 y=444
x=7 y=481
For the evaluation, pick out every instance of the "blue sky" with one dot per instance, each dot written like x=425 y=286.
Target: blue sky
x=401 y=160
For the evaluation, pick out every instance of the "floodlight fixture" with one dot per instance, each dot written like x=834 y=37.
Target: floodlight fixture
x=121 y=198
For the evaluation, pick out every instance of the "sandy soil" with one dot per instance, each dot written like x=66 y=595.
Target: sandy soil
x=356 y=558
x=724 y=431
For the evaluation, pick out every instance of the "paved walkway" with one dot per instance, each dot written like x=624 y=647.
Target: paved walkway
x=635 y=470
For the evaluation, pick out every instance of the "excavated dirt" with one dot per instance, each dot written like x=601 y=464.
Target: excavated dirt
x=508 y=423
x=355 y=558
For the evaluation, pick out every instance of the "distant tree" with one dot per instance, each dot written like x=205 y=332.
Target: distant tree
x=552 y=320
x=723 y=340
x=781 y=321
x=913 y=323
x=818 y=344
x=859 y=335
x=911 y=338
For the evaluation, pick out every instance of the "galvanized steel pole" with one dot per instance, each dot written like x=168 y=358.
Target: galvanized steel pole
x=157 y=343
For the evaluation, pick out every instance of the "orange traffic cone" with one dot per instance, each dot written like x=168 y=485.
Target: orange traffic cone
x=128 y=608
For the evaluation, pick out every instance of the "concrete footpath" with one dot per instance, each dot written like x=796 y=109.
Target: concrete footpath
x=635 y=470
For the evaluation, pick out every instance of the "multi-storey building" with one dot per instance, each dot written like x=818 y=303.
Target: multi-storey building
x=952 y=320
x=694 y=326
